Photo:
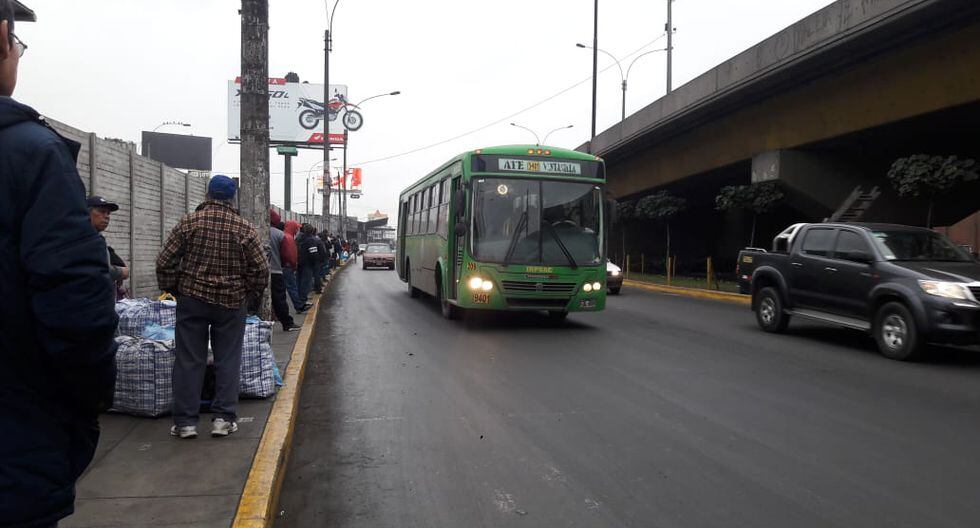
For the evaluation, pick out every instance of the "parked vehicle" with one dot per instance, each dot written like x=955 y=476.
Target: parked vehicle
x=906 y=286
x=614 y=278
x=378 y=256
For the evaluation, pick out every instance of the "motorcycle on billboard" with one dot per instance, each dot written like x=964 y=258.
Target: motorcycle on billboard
x=312 y=115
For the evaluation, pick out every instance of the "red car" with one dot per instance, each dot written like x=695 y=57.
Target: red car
x=378 y=256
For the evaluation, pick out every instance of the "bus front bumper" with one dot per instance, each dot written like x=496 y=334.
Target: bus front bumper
x=517 y=292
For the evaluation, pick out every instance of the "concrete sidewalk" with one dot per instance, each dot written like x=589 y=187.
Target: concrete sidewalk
x=141 y=476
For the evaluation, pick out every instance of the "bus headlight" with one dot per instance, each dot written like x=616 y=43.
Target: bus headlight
x=587 y=287
x=478 y=283
x=596 y=286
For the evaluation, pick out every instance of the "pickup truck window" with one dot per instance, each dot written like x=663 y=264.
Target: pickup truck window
x=847 y=242
x=922 y=246
x=818 y=242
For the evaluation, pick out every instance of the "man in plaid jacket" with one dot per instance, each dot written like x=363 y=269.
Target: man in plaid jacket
x=214 y=263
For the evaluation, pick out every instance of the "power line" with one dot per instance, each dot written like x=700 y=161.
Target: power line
x=505 y=118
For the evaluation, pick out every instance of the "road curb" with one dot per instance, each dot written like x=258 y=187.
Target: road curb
x=256 y=508
x=736 y=298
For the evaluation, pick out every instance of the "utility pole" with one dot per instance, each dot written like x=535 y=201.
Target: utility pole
x=595 y=68
x=343 y=193
x=326 y=129
x=670 y=44
x=254 y=183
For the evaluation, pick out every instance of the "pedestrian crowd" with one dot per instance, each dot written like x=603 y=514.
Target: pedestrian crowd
x=60 y=283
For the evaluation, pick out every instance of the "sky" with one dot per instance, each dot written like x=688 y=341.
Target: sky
x=117 y=67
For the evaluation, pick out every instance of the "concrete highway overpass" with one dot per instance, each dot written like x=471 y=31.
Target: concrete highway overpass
x=823 y=106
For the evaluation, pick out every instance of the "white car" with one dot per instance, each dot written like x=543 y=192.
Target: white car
x=614 y=278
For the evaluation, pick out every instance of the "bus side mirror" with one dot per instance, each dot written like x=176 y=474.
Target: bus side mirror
x=459 y=202
x=460 y=229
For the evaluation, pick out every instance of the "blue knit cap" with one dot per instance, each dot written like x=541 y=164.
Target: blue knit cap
x=222 y=187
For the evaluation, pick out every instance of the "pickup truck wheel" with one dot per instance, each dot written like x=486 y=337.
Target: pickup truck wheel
x=896 y=334
x=769 y=311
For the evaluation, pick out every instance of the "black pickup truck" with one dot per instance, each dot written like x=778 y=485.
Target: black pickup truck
x=905 y=285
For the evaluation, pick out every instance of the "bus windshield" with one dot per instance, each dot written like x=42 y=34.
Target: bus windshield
x=539 y=222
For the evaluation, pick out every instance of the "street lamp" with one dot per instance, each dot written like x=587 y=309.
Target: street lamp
x=537 y=140
x=555 y=130
x=174 y=123
x=148 y=147
x=327 y=48
x=396 y=92
x=624 y=77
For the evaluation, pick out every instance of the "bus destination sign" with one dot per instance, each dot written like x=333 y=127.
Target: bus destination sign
x=538 y=166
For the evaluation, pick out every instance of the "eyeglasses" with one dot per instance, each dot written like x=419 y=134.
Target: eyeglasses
x=21 y=47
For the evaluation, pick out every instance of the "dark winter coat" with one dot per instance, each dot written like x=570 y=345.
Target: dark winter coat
x=57 y=318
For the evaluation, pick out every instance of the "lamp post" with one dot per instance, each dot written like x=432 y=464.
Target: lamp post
x=327 y=48
x=149 y=146
x=536 y=137
x=624 y=77
x=555 y=130
x=342 y=200
x=537 y=140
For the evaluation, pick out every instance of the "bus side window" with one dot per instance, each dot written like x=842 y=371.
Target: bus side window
x=414 y=213
x=433 y=207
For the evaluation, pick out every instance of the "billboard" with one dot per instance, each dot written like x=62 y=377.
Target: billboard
x=296 y=112
x=352 y=183
x=178 y=151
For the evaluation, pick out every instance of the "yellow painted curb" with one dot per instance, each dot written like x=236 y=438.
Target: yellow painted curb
x=736 y=298
x=256 y=508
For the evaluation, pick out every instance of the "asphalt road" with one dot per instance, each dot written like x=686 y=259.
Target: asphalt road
x=661 y=411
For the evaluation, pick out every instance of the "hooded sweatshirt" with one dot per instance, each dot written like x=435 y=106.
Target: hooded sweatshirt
x=288 y=251
x=57 y=319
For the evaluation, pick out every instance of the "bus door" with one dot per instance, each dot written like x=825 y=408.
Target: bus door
x=456 y=242
x=402 y=227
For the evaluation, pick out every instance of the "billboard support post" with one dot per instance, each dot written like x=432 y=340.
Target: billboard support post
x=287 y=153
x=343 y=193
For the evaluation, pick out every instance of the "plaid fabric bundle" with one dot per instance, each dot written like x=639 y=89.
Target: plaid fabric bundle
x=144 y=368
x=258 y=378
x=136 y=314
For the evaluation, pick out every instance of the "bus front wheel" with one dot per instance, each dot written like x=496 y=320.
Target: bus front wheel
x=449 y=310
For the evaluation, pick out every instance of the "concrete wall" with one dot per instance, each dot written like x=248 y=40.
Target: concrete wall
x=152 y=198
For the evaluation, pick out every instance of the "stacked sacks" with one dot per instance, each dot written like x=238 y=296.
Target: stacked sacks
x=145 y=359
x=136 y=314
x=144 y=368
x=258 y=367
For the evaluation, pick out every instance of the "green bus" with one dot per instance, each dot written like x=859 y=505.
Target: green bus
x=507 y=228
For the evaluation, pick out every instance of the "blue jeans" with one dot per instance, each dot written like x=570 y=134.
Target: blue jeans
x=305 y=280
x=292 y=288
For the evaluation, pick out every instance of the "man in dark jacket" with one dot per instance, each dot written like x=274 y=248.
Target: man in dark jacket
x=309 y=260
x=57 y=318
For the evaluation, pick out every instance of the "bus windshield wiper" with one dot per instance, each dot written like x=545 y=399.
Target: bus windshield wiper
x=561 y=245
x=514 y=238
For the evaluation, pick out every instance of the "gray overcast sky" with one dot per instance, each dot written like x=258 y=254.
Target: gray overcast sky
x=116 y=67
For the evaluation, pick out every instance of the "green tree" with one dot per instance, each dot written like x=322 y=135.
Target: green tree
x=930 y=176
x=662 y=206
x=758 y=198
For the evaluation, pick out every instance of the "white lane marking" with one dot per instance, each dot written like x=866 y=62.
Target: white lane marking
x=375 y=419
x=592 y=504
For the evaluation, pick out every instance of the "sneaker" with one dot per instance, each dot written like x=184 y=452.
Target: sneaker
x=221 y=427
x=307 y=306
x=292 y=328
x=186 y=432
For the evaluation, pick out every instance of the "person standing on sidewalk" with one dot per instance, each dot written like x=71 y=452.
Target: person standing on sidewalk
x=99 y=211
x=57 y=318
x=290 y=269
x=276 y=284
x=308 y=259
x=213 y=262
